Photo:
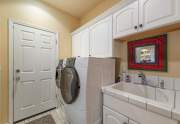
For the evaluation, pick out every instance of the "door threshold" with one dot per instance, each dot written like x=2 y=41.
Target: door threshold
x=34 y=115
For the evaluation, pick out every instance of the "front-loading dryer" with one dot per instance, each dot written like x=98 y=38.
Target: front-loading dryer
x=81 y=87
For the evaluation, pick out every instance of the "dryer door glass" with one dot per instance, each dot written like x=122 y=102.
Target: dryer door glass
x=69 y=84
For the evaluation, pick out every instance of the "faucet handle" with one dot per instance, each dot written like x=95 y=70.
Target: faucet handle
x=140 y=74
x=162 y=84
x=128 y=78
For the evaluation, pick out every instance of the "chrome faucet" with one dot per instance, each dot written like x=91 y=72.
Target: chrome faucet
x=143 y=78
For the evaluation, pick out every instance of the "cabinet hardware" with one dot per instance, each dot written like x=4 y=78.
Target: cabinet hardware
x=141 y=25
x=135 y=27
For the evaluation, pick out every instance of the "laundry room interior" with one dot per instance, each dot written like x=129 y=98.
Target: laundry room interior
x=89 y=62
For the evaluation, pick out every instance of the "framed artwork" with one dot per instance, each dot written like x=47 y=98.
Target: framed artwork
x=148 y=54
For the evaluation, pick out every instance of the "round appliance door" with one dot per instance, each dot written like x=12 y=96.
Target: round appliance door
x=69 y=85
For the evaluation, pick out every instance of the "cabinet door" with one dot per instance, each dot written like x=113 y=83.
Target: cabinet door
x=157 y=13
x=101 y=38
x=80 y=44
x=125 y=21
x=76 y=45
x=85 y=43
x=111 y=117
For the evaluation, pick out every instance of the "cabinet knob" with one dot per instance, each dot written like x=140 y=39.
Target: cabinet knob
x=141 y=25
x=135 y=27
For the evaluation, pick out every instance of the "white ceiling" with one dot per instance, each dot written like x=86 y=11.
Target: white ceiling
x=76 y=8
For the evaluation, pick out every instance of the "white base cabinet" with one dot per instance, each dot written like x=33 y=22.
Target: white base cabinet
x=111 y=117
x=117 y=110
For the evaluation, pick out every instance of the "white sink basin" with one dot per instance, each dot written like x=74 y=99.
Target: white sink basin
x=139 y=90
x=162 y=96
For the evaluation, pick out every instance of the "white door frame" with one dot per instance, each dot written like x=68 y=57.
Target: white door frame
x=11 y=60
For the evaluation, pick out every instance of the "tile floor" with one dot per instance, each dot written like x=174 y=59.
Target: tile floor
x=55 y=114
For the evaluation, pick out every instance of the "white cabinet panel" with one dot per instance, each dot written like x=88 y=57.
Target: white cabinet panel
x=76 y=45
x=85 y=43
x=125 y=21
x=157 y=13
x=95 y=41
x=111 y=117
x=80 y=44
x=101 y=38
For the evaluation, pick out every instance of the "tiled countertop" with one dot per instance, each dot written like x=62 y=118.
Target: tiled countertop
x=144 y=103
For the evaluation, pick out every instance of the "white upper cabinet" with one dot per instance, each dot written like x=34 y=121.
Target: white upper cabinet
x=143 y=15
x=95 y=41
x=125 y=21
x=85 y=43
x=76 y=45
x=157 y=13
x=80 y=44
x=96 y=38
x=101 y=38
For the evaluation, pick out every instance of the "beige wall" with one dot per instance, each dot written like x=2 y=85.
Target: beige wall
x=35 y=13
x=173 y=56
x=100 y=8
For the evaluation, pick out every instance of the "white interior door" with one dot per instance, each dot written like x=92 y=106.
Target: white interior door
x=34 y=71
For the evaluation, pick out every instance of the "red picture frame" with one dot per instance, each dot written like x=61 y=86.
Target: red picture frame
x=160 y=64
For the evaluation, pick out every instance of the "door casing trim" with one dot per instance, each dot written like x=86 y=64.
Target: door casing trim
x=11 y=61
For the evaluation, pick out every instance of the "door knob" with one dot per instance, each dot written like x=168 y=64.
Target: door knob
x=18 y=71
x=135 y=27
